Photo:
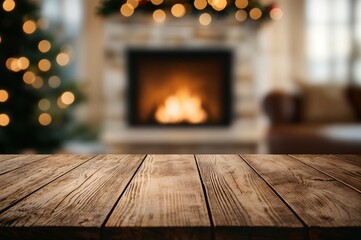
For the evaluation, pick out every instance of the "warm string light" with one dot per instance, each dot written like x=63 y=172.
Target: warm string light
x=276 y=13
x=44 y=65
x=200 y=4
x=134 y=3
x=4 y=96
x=255 y=13
x=127 y=10
x=157 y=2
x=54 y=82
x=241 y=4
x=159 y=16
x=67 y=98
x=205 y=19
x=243 y=9
x=178 y=10
x=29 y=27
x=218 y=5
x=4 y=120
x=9 y=5
x=44 y=46
x=44 y=104
x=45 y=119
x=29 y=77
x=241 y=15
x=38 y=83
x=17 y=64
x=62 y=59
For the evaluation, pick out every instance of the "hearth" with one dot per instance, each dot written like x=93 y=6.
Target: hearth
x=179 y=87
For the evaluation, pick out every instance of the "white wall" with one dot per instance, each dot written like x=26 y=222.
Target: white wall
x=281 y=46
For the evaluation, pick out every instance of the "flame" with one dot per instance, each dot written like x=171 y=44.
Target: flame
x=181 y=107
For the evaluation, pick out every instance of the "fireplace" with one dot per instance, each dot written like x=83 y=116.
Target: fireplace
x=179 y=87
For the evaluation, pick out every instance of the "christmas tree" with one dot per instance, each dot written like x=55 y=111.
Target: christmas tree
x=36 y=95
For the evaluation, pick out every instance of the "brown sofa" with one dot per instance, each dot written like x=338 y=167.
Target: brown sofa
x=316 y=120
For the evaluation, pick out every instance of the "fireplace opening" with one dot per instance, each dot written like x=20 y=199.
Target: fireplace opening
x=179 y=87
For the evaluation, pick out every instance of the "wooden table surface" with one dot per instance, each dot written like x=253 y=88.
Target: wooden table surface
x=180 y=197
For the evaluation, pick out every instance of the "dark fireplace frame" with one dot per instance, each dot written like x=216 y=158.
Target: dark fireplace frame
x=133 y=55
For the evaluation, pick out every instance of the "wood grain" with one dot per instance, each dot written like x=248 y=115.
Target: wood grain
x=323 y=203
x=81 y=199
x=341 y=167
x=17 y=184
x=239 y=198
x=10 y=164
x=164 y=201
x=7 y=156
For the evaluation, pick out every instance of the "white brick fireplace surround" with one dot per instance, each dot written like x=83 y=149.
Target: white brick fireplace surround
x=247 y=129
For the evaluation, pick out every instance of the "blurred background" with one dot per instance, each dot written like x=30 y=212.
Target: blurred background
x=180 y=76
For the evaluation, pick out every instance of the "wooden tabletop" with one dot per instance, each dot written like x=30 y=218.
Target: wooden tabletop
x=159 y=197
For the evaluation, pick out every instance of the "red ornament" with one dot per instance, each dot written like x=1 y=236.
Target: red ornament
x=143 y=2
x=272 y=6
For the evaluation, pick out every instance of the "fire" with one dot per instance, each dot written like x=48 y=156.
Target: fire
x=181 y=107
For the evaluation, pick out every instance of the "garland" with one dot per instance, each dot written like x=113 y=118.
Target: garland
x=247 y=10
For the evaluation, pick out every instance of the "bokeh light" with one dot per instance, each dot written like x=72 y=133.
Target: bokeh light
x=178 y=10
x=4 y=120
x=44 y=104
x=38 y=82
x=44 y=46
x=219 y=5
x=200 y=4
x=29 y=27
x=23 y=63
x=157 y=2
x=276 y=13
x=255 y=13
x=127 y=10
x=241 y=4
x=44 y=65
x=134 y=3
x=67 y=98
x=159 y=15
x=4 y=95
x=45 y=119
x=205 y=19
x=54 y=81
x=241 y=15
x=62 y=59
x=29 y=77
x=9 y=5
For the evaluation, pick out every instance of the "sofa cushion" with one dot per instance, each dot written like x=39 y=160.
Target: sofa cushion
x=326 y=104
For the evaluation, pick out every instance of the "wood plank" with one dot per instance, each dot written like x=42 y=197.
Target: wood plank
x=21 y=182
x=324 y=204
x=351 y=158
x=242 y=205
x=81 y=199
x=339 y=167
x=7 y=156
x=10 y=164
x=164 y=201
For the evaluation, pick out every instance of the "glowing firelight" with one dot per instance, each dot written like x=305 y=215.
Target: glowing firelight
x=181 y=107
